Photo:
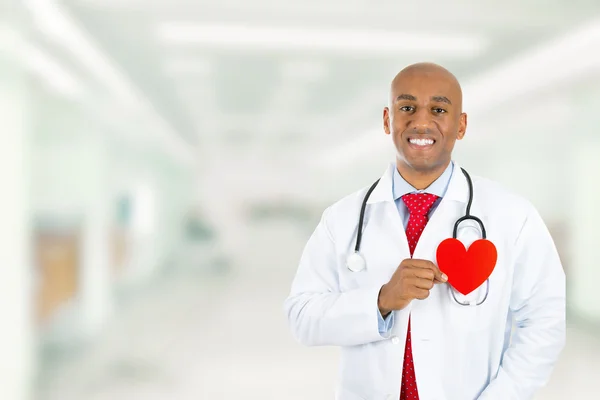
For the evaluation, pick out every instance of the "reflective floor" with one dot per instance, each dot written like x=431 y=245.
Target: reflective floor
x=200 y=335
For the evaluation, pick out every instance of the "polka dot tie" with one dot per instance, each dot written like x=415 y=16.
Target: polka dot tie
x=418 y=205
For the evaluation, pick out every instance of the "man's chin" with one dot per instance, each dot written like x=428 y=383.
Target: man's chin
x=422 y=165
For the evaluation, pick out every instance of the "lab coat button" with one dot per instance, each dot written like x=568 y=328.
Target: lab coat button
x=390 y=396
x=395 y=340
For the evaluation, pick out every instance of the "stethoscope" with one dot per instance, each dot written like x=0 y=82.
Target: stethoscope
x=356 y=262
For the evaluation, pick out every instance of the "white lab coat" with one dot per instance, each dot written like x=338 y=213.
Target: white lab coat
x=459 y=352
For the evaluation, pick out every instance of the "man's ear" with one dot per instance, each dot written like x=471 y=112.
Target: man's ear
x=386 y=120
x=462 y=126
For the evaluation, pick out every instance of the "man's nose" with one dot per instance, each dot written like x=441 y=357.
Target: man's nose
x=420 y=121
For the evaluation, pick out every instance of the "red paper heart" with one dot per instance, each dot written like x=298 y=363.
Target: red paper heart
x=466 y=270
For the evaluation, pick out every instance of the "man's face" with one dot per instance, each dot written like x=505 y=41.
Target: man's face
x=425 y=118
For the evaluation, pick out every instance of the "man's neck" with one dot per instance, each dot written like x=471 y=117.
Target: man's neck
x=420 y=179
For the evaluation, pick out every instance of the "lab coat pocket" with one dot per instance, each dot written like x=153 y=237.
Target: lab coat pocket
x=471 y=313
x=350 y=280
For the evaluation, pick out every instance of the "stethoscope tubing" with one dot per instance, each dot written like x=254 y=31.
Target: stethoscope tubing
x=467 y=216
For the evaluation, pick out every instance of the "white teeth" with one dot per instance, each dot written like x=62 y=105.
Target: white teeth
x=421 y=142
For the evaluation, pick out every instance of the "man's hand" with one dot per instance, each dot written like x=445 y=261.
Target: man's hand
x=412 y=280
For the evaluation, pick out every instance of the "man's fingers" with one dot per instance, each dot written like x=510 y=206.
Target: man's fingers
x=441 y=277
x=426 y=265
x=421 y=283
x=423 y=273
x=433 y=274
x=421 y=294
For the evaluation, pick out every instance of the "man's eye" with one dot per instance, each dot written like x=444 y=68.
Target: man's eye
x=406 y=108
x=439 y=110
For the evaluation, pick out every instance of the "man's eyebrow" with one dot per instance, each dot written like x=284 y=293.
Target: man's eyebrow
x=405 y=96
x=441 y=99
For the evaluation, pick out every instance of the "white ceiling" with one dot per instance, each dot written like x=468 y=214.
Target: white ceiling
x=263 y=90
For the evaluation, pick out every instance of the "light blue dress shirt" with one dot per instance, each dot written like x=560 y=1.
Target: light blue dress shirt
x=399 y=188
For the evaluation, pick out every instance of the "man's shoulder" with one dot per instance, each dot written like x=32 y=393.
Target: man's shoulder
x=494 y=192
x=349 y=202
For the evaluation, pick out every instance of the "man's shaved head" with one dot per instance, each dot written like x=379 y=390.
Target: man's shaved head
x=428 y=69
x=424 y=118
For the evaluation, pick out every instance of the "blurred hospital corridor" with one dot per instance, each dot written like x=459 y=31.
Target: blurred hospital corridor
x=223 y=336
x=164 y=162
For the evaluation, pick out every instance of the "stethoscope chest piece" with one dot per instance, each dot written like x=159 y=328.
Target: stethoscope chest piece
x=355 y=262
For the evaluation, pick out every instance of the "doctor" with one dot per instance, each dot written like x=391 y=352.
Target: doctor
x=404 y=330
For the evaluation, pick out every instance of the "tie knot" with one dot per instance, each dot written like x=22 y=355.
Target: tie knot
x=419 y=203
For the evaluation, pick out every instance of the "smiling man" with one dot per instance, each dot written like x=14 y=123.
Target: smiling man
x=425 y=119
x=369 y=280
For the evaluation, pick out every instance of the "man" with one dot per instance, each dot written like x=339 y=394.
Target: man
x=405 y=332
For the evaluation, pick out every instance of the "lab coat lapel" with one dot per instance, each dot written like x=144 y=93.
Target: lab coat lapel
x=441 y=223
x=388 y=244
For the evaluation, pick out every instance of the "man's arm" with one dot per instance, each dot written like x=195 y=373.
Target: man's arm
x=538 y=305
x=318 y=312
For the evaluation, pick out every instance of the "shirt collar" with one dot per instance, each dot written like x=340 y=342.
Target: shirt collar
x=400 y=187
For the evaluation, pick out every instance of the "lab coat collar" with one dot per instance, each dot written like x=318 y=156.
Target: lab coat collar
x=400 y=187
x=458 y=189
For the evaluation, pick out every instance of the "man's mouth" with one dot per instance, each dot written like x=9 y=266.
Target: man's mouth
x=421 y=144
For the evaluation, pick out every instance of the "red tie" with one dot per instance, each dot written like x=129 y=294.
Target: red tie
x=418 y=205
